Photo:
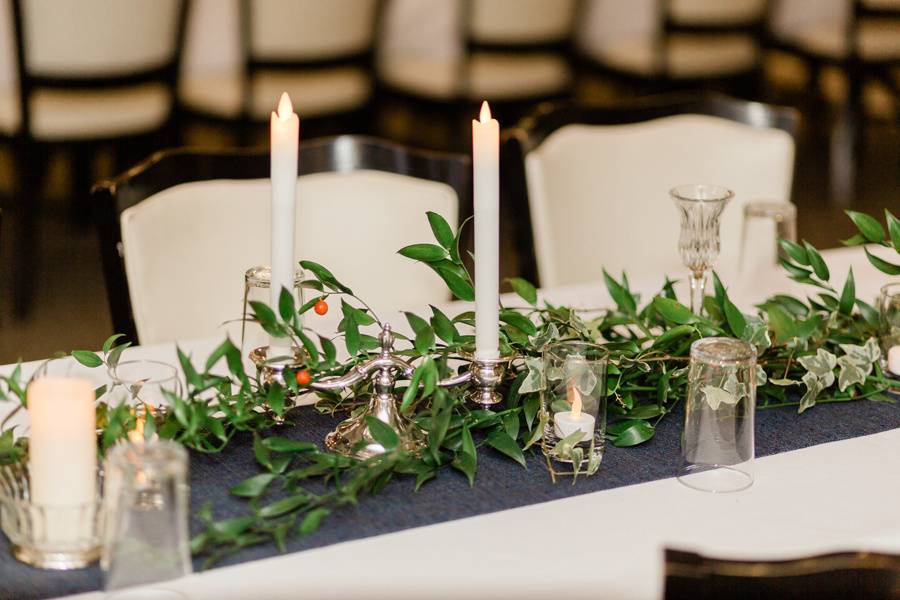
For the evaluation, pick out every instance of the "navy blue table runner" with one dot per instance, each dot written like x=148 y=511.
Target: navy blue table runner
x=501 y=484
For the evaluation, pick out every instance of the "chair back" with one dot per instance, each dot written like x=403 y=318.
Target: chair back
x=520 y=22
x=597 y=180
x=309 y=30
x=189 y=224
x=98 y=38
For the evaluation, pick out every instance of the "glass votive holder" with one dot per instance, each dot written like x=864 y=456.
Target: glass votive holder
x=145 y=537
x=58 y=537
x=257 y=282
x=889 y=330
x=573 y=402
x=717 y=444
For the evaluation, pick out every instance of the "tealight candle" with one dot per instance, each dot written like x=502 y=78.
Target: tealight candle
x=893 y=360
x=62 y=451
x=567 y=422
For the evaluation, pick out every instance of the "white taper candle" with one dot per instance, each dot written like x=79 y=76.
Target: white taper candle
x=486 y=178
x=285 y=132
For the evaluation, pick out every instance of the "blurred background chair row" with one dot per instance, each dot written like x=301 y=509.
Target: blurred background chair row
x=190 y=221
x=89 y=88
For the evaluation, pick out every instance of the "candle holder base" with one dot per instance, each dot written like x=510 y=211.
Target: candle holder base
x=46 y=536
x=272 y=373
x=487 y=375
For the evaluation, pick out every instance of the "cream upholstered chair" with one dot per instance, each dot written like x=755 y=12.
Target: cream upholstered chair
x=89 y=72
x=510 y=50
x=597 y=181
x=319 y=52
x=180 y=230
x=673 y=41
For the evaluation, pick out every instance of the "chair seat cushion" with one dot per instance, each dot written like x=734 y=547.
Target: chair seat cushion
x=716 y=12
x=687 y=56
x=494 y=75
x=58 y=115
x=314 y=93
x=878 y=39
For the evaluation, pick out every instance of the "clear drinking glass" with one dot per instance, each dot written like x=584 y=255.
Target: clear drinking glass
x=889 y=335
x=717 y=445
x=573 y=402
x=764 y=220
x=256 y=289
x=701 y=206
x=146 y=537
x=142 y=384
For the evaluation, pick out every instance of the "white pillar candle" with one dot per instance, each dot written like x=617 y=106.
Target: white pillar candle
x=567 y=422
x=62 y=451
x=285 y=132
x=486 y=178
x=893 y=360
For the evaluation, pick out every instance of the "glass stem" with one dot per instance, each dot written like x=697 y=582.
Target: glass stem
x=698 y=286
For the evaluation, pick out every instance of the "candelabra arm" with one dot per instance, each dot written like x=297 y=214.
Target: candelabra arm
x=455 y=380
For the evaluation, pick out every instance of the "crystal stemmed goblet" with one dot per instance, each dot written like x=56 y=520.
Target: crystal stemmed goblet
x=701 y=206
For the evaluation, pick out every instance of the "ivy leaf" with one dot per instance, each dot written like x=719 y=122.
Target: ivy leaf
x=254 y=486
x=423 y=252
x=441 y=230
x=382 y=433
x=524 y=289
x=534 y=382
x=87 y=358
x=848 y=295
x=500 y=440
x=816 y=262
x=312 y=520
x=634 y=433
x=867 y=225
x=882 y=265
x=674 y=311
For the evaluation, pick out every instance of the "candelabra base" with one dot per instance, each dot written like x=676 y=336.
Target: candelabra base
x=353 y=438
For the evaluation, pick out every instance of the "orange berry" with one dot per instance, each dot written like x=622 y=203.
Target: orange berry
x=321 y=307
x=303 y=377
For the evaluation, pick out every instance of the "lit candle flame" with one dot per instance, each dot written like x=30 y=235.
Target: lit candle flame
x=574 y=398
x=136 y=435
x=485 y=112
x=285 y=108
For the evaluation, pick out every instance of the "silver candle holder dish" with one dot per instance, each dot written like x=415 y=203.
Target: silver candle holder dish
x=352 y=437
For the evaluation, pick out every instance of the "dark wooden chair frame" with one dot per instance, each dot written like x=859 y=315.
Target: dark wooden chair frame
x=169 y=168
x=357 y=120
x=531 y=132
x=840 y=575
x=30 y=154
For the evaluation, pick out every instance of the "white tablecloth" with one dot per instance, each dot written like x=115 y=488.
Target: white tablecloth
x=607 y=544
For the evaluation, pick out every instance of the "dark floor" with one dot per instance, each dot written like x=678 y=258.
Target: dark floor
x=70 y=309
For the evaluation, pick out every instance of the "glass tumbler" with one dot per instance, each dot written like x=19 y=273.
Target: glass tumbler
x=700 y=206
x=889 y=334
x=256 y=289
x=573 y=402
x=146 y=536
x=143 y=384
x=717 y=444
